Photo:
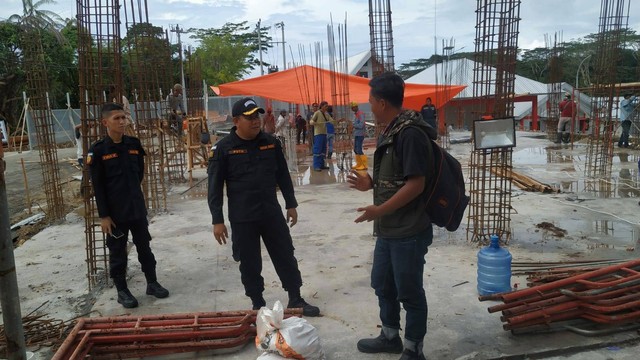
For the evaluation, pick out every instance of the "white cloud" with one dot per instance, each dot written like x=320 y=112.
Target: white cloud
x=415 y=22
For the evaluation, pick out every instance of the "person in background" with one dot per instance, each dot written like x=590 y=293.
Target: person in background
x=176 y=108
x=358 y=137
x=310 y=132
x=627 y=107
x=117 y=170
x=269 y=122
x=301 y=129
x=567 y=113
x=79 y=152
x=319 y=122
x=252 y=166
x=331 y=133
x=430 y=113
x=403 y=165
x=281 y=127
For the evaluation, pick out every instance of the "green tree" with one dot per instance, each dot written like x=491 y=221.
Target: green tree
x=240 y=45
x=224 y=58
x=11 y=74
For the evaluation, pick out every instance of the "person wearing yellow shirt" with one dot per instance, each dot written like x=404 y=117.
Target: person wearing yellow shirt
x=319 y=122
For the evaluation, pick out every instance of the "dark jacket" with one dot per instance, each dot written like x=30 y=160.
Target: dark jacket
x=116 y=173
x=251 y=170
x=388 y=178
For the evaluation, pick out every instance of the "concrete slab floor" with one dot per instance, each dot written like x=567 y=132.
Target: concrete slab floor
x=335 y=257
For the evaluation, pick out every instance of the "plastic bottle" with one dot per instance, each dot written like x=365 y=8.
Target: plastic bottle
x=494 y=268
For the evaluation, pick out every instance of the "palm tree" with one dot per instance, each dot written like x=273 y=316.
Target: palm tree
x=35 y=18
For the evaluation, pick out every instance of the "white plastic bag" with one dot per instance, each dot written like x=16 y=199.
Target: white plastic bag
x=293 y=338
x=269 y=356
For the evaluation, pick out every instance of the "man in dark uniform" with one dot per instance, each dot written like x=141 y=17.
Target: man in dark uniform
x=403 y=165
x=117 y=169
x=252 y=164
x=430 y=113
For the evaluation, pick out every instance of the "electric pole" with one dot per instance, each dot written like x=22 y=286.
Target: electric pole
x=260 y=46
x=9 y=297
x=179 y=31
x=284 y=52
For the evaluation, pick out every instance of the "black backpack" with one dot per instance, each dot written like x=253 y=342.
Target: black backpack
x=446 y=200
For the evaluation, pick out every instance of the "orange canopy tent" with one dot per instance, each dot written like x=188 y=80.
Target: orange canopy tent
x=306 y=84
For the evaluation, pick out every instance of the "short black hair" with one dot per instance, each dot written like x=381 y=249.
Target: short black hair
x=109 y=107
x=388 y=86
x=323 y=103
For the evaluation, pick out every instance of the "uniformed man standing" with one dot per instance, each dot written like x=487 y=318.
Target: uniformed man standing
x=117 y=169
x=252 y=164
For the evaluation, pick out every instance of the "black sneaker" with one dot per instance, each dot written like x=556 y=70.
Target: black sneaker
x=126 y=299
x=157 y=290
x=307 y=309
x=381 y=344
x=410 y=355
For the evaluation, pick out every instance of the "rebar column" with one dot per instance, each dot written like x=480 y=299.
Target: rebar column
x=614 y=19
x=493 y=87
x=146 y=45
x=37 y=89
x=554 y=83
x=173 y=148
x=99 y=70
x=381 y=35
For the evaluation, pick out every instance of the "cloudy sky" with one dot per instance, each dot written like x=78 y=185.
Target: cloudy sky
x=415 y=22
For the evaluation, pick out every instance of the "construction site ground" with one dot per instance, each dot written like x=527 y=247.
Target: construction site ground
x=335 y=258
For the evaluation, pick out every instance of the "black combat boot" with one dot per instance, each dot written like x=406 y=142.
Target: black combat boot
x=127 y=299
x=381 y=344
x=411 y=355
x=307 y=309
x=155 y=289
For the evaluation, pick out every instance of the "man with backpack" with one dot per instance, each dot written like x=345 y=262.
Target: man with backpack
x=403 y=166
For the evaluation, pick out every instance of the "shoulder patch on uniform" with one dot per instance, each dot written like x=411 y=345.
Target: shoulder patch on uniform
x=238 y=151
x=89 y=158
x=266 y=147
x=109 y=156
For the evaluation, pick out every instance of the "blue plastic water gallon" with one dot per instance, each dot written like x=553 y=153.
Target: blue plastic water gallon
x=494 y=268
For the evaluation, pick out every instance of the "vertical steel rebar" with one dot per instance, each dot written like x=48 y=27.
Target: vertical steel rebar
x=381 y=36
x=493 y=87
x=146 y=45
x=37 y=88
x=99 y=71
x=554 y=83
x=614 y=19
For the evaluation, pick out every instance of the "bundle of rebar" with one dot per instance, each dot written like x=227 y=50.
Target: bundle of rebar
x=607 y=298
x=126 y=337
x=39 y=330
x=544 y=272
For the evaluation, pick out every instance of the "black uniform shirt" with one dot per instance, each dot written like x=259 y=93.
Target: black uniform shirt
x=251 y=170
x=116 y=173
